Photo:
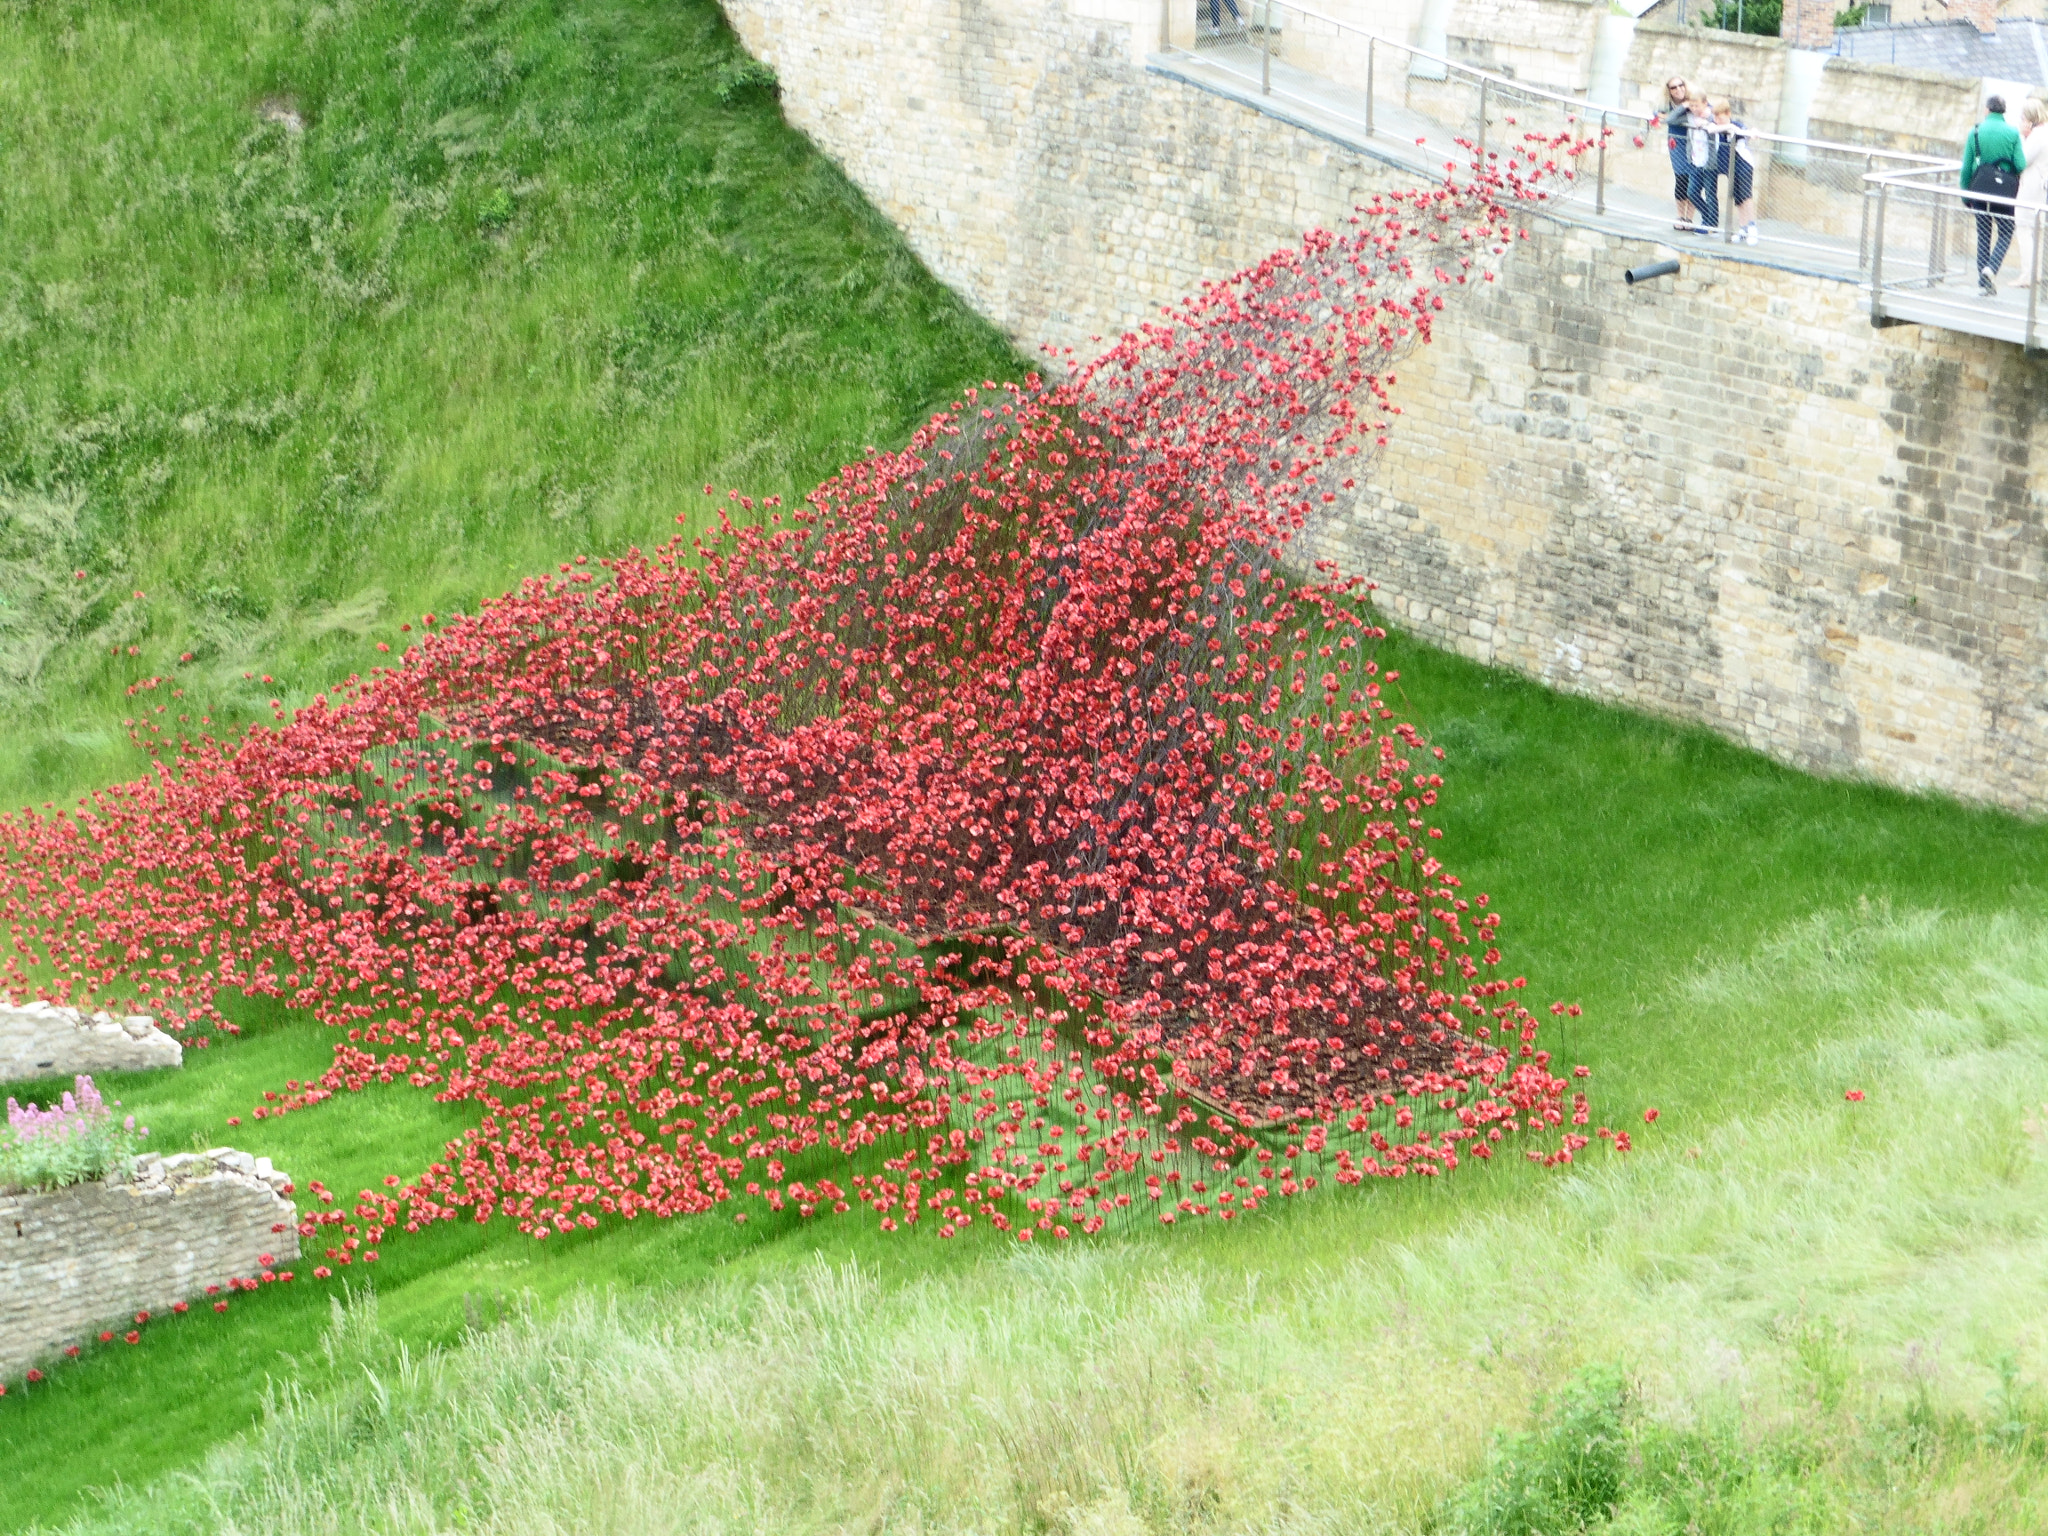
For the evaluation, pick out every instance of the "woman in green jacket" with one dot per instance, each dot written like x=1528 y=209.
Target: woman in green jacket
x=1993 y=158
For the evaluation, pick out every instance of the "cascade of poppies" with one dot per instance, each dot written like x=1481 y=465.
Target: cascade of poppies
x=1015 y=832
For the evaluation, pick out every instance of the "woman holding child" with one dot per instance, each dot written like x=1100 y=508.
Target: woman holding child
x=1717 y=144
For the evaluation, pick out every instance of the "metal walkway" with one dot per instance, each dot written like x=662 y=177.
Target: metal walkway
x=1818 y=202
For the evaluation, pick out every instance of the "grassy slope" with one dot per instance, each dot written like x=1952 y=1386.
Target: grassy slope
x=1813 y=1309
x=520 y=286
x=296 y=383
x=1667 y=880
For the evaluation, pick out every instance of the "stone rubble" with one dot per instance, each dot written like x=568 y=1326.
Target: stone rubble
x=41 y=1039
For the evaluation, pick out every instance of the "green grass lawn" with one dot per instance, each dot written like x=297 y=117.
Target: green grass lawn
x=520 y=280
x=317 y=317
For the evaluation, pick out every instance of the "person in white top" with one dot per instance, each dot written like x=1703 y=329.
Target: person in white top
x=2033 y=193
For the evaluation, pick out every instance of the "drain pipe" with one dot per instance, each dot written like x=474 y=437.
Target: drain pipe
x=1432 y=32
x=1801 y=85
x=1613 y=33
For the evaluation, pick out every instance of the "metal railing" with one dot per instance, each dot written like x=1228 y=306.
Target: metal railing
x=1808 y=197
x=1927 y=236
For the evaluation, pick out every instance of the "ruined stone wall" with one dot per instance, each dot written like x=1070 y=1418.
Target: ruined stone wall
x=40 y=1039
x=75 y=1260
x=1728 y=500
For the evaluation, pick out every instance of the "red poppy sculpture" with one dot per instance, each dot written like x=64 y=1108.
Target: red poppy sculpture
x=1015 y=833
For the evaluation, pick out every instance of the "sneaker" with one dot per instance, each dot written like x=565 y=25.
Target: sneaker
x=1987 y=283
x=1749 y=235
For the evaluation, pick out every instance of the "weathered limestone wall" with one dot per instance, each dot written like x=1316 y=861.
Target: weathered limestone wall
x=1032 y=162
x=1916 y=110
x=1731 y=500
x=40 y=1039
x=1548 y=43
x=74 y=1259
x=1749 y=70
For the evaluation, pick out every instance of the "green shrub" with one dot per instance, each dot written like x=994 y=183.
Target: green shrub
x=1760 y=18
x=495 y=211
x=1564 y=1475
x=744 y=79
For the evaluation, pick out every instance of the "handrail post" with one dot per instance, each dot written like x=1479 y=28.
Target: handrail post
x=1863 y=226
x=1483 y=84
x=1600 y=185
x=1937 y=237
x=2034 y=281
x=1371 y=48
x=1884 y=192
x=1266 y=50
x=1722 y=202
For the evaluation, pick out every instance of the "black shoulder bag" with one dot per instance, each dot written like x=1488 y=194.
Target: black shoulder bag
x=1998 y=183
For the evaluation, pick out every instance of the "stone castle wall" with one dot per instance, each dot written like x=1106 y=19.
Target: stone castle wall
x=1548 y=43
x=1728 y=499
x=41 y=1039
x=77 y=1259
x=1731 y=500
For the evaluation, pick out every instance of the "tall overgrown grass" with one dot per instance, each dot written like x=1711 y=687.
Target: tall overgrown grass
x=1823 y=1316
x=317 y=316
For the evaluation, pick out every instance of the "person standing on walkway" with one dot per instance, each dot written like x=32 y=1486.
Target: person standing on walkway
x=1216 y=16
x=1993 y=158
x=1677 y=119
x=2033 y=193
x=1703 y=155
x=1738 y=164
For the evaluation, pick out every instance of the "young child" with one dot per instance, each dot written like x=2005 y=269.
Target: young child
x=1738 y=164
x=1703 y=145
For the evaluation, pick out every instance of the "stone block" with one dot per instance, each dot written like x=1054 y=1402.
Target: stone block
x=41 y=1039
